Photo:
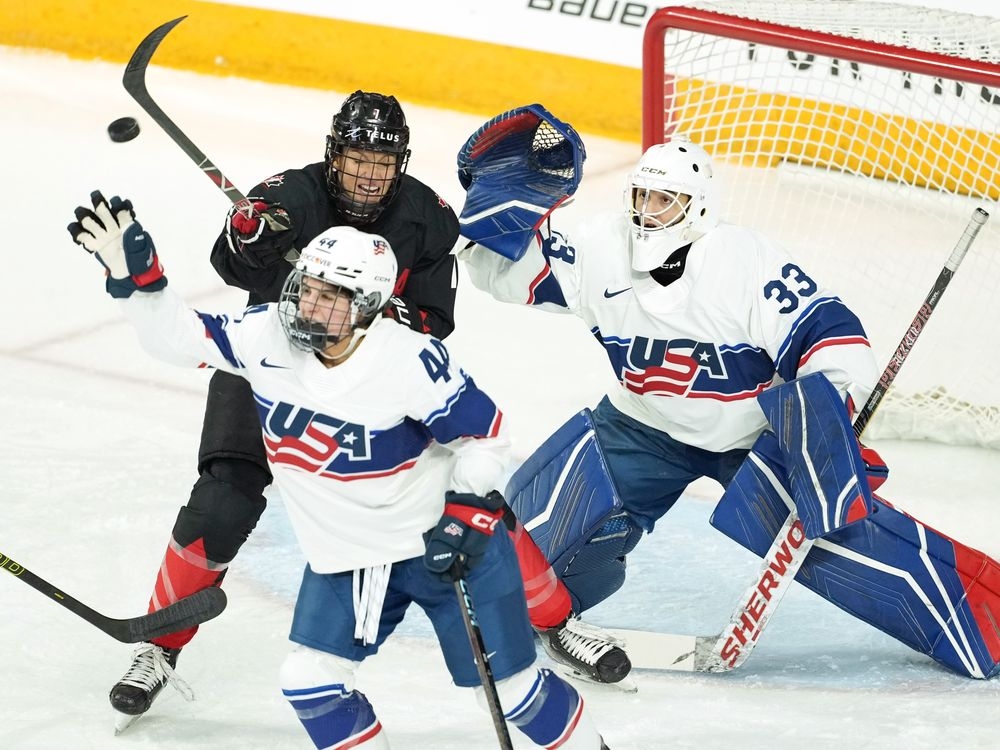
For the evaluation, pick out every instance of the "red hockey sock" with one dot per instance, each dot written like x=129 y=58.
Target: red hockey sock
x=548 y=599
x=184 y=571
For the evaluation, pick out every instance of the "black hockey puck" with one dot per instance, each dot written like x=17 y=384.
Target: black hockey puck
x=123 y=129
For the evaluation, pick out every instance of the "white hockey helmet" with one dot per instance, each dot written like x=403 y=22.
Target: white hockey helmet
x=676 y=168
x=342 y=262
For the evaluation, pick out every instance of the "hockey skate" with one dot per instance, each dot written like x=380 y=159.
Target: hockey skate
x=152 y=668
x=586 y=652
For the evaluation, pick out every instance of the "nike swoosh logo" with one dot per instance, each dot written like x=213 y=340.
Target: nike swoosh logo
x=265 y=363
x=609 y=294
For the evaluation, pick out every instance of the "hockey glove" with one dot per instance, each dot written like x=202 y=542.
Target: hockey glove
x=516 y=170
x=407 y=313
x=457 y=544
x=111 y=233
x=258 y=232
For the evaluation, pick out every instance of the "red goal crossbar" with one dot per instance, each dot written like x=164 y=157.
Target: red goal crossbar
x=788 y=37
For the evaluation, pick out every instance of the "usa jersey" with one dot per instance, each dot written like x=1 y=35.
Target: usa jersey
x=363 y=452
x=692 y=356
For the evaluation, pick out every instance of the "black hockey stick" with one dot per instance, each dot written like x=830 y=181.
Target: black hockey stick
x=979 y=218
x=650 y=650
x=135 y=84
x=482 y=660
x=184 y=613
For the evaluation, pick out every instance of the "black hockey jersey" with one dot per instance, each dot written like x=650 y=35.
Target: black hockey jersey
x=420 y=226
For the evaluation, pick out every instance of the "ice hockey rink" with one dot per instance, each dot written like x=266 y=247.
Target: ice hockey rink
x=100 y=442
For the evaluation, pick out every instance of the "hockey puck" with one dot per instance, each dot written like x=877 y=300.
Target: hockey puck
x=123 y=129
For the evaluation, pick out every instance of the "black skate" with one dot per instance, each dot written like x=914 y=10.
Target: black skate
x=152 y=668
x=587 y=651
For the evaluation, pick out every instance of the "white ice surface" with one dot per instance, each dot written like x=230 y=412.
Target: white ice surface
x=99 y=448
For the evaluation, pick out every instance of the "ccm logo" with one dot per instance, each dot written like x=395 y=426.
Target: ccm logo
x=483 y=522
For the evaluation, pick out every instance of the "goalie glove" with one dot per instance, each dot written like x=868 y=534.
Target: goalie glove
x=109 y=231
x=516 y=170
x=259 y=233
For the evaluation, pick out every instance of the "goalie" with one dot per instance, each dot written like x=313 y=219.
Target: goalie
x=697 y=318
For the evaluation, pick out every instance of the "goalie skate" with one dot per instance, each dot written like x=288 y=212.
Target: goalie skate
x=152 y=668
x=587 y=653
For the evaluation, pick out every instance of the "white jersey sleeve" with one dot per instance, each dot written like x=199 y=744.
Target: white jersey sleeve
x=172 y=332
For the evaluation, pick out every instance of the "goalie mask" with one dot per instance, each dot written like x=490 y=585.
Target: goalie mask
x=670 y=201
x=341 y=283
x=366 y=155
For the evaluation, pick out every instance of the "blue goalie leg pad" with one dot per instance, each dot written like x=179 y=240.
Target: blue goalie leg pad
x=563 y=492
x=821 y=455
x=934 y=594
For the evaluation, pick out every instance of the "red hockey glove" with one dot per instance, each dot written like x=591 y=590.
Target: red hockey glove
x=458 y=542
x=258 y=232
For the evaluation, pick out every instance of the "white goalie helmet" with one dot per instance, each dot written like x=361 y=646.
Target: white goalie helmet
x=676 y=169
x=342 y=281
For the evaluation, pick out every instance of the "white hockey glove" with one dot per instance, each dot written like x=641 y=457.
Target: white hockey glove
x=110 y=232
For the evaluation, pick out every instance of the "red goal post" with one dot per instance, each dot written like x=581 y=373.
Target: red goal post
x=860 y=135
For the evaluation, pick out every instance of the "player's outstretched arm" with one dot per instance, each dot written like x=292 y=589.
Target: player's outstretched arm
x=167 y=328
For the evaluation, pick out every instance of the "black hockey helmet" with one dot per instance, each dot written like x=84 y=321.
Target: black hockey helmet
x=371 y=122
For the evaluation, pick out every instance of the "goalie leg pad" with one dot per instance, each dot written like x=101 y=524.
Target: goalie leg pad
x=320 y=688
x=563 y=493
x=598 y=568
x=932 y=593
x=547 y=709
x=820 y=453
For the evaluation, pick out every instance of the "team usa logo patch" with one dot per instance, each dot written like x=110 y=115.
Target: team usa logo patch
x=379 y=247
x=310 y=440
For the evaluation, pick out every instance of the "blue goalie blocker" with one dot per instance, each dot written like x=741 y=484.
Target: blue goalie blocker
x=516 y=169
x=563 y=492
x=932 y=593
x=822 y=458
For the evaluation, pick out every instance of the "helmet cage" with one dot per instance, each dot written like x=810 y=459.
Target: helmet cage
x=367 y=122
x=682 y=171
x=341 y=263
x=314 y=333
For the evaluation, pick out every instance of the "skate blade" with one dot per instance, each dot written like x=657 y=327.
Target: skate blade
x=124 y=721
x=625 y=685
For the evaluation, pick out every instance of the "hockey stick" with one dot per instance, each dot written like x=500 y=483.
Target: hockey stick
x=729 y=649
x=482 y=660
x=184 y=613
x=135 y=84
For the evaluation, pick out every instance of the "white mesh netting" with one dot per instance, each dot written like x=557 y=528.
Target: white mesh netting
x=868 y=174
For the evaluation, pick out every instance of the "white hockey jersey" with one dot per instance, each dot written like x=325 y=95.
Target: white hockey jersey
x=691 y=357
x=363 y=452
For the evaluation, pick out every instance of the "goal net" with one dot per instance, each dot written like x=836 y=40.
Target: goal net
x=860 y=136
